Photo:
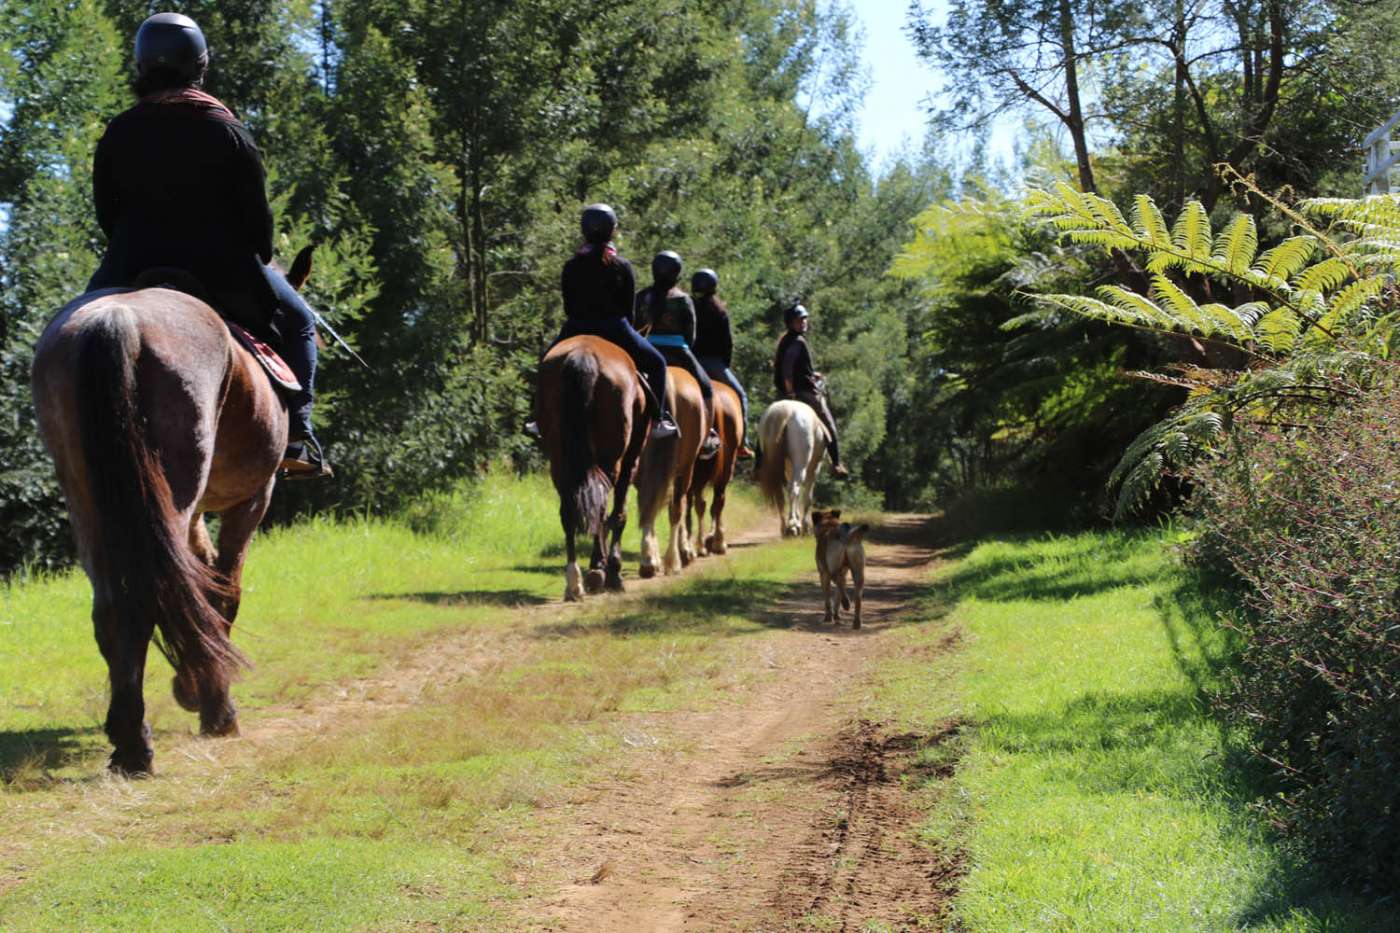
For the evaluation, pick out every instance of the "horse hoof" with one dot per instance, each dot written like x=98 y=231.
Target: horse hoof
x=615 y=585
x=646 y=571
x=594 y=581
x=572 y=595
x=140 y=765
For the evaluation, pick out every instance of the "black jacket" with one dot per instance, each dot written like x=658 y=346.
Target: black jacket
x=183 y=186
x=597 y=289
x=804 y=375
x=714 y=337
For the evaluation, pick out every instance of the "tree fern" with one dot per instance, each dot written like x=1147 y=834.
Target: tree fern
x=1318 y=307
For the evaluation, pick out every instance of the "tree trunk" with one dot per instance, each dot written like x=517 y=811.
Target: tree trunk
x=1074 y=117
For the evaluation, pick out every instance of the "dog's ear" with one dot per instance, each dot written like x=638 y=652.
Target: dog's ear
x=818 y=516
x=835 y=513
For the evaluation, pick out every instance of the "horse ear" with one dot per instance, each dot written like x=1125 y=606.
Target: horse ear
x=301 y=267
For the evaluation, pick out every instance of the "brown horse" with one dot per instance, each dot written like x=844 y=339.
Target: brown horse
x=665 y=473
x=716 y=471
x=155 y=415
x=593 y=425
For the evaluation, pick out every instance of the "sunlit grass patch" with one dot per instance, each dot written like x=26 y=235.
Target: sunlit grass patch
x=1094 y=790
x=436 y=774
x=318 y=884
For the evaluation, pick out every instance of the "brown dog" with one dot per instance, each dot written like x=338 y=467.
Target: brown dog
x=839 y=549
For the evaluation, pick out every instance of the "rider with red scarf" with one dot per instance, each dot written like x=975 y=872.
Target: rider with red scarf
x=178 y=183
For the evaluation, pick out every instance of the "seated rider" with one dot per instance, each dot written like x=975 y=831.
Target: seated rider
x=178 y=183
x=794 y=378
x=598 y=286
x=670 y=316
x=714 y=343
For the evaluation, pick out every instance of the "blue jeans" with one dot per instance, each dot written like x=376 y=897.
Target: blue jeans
x=648 y=360
x=717 y=370
x=298 y=327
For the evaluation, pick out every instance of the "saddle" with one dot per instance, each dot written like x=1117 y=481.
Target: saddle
x=280 y=374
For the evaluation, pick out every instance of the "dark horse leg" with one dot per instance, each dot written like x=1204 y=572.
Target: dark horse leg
x=124 y=649
x=573 y=582
x=217 y=714
x=595 y=578
x=617 y=520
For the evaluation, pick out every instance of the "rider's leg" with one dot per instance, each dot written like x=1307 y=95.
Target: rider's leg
x=298 y=348
x=685 y=358
x=818 y=404
x=648 y=360
x=298 y=328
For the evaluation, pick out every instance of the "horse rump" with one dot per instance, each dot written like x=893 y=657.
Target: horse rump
x=141 y=552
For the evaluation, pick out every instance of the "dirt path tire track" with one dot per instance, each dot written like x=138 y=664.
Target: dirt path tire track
x=770 y=810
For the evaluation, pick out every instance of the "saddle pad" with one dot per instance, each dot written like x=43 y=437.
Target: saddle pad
x=276 y=368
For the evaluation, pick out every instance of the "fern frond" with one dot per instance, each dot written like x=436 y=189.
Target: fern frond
x=1236 y=245
x=1278 y=330
x=1323 y=276
x=1276 y=266
x=1187 y=314
x=1151 y=226
x=1191 y=235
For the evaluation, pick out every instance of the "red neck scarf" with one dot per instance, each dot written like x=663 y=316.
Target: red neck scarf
x=195 y=99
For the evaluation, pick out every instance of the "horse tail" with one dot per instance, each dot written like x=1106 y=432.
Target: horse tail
x=143 y=551
x=585 y=497
x=772 y=477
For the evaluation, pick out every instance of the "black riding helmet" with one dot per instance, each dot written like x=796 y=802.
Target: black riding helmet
x=704 y=282
x=793 y=313
x=666 y=267
x=171 y=42
x=599 y=222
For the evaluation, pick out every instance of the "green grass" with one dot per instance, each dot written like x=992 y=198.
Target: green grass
x=1094 y=790
x=389 y=817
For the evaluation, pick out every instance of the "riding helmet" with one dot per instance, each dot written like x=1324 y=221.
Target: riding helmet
x=171 y=42
x=599 y=222
x=793 y=313
x=704 y=282
x=666 y=266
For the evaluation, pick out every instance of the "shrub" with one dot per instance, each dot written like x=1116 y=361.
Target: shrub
x=1307 y=518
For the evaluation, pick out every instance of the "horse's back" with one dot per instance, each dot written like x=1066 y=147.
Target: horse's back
x=587 y=388
x=185 y=371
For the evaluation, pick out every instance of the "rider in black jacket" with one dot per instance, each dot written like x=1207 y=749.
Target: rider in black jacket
x=668 y=314
x=795 y=378
x=178 y=183
x=714 y=343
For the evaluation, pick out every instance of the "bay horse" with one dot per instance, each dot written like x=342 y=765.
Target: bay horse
x=716 y=472
x=155 y=415
x=592 y=417
x=793 y=443
x=664 y=475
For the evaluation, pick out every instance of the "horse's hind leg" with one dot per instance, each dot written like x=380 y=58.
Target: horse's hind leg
x=217 y=714
x=125 y=652
x=573 y=579
x=717 y=542
x=699 y=538
x=594 y=580
x=795 y=505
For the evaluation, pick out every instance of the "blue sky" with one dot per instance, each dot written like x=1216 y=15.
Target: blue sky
x=894 y=115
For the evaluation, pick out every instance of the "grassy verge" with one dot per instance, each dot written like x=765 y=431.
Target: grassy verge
x=386 y=817
x=1093 y=790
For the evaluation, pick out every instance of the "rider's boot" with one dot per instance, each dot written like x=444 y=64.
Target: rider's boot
x=532 y=428
x=304 y=459
x=662 y=426
x=839 y=471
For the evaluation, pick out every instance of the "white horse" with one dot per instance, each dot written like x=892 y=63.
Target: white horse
x=793 y=442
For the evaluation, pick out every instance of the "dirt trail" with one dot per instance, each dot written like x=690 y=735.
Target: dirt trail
x=775 y=810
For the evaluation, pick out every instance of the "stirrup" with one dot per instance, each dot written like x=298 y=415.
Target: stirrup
x=711 y=445
x=304 y=467
x=532 y=429
x=663 y=428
